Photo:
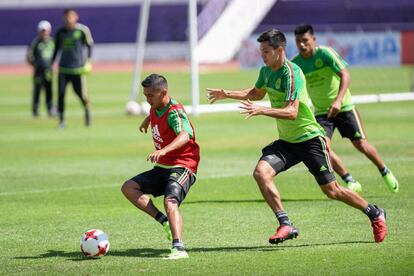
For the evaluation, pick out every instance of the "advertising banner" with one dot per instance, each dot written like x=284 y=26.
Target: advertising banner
x=357 y=48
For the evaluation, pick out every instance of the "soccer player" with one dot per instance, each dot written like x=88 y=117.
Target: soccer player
x=71 y=40
x=328 y=80
x=176 y=158
x=39 y=56
x=301 y=138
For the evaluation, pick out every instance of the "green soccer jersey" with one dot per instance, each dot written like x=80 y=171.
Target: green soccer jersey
x=177 y=119
x=322 y=80
x=288 y=84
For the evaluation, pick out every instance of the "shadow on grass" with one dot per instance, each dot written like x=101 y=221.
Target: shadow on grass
x=271 y=247
x=157 y=253
x=252 y=200
x=77 y=255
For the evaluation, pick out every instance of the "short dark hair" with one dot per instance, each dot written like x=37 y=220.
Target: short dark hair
x=275 y=38
x=155 y=81
x=68 y=10
x=303 y=29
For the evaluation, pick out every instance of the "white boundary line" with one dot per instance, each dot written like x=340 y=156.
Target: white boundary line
x=222 y=175
x=359 y=99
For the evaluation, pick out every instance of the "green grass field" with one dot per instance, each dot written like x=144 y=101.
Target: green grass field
x=57 y=184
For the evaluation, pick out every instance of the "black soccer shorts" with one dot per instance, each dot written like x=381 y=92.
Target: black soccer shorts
x=173 y=182
x=282 y=155
x=348 y=123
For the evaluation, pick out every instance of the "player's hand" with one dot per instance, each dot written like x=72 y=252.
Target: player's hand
x=215 y=94
x=87 y=67
x=250 y=109
x=144 y=125
x=155 y=156
x=334 y=109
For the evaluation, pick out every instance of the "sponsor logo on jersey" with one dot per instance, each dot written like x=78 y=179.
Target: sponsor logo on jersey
x=156 y=135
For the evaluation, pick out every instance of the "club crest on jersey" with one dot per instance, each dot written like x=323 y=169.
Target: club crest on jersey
x=278 y=83
x=318 y=63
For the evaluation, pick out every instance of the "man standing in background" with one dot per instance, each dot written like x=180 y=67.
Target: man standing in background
x=75 y=43
x=39 y=56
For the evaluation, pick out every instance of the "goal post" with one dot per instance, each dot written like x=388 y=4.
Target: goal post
x=193 y=46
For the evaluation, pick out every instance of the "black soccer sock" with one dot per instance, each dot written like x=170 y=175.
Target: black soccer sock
x=178 y=244
x=384 y=171
x=348 y=178
x=372 y=212
x=161 y=218
x=283 y=218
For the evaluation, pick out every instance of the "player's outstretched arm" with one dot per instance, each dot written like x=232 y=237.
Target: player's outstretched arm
x=253 y=94
x=289 y=111
x=144 y=125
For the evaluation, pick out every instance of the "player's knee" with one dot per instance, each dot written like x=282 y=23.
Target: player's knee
x=360 y=145
x=128 y=186
x=173 y=194
x=170 y=203
x=260 y=173
x=332 y=191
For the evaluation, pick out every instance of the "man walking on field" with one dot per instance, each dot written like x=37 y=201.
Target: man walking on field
x=301 y=139
x=328 y=82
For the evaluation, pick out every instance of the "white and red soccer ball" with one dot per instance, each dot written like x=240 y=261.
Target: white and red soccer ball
x=94 y=243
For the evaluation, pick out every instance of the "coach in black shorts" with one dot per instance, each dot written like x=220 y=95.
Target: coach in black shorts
x=71 y=41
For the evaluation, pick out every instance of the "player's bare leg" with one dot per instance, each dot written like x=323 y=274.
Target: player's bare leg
x=176 y=225
x=347 y=196
x=371 y=153
x=264 y=174
x=132 y=192
x=339 y=167
x=337 y=192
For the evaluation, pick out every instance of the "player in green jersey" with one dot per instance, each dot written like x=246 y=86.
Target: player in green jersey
x=301 y=139
x=328 y=85
x=74 y=43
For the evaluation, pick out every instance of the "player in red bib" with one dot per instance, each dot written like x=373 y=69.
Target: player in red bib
x=176 y=158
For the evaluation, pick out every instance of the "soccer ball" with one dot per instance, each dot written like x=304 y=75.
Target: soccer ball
x=94 y=243
x=133 y=108
x=145 y=108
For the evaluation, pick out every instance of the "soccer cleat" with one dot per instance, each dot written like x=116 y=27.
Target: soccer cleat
x=167 y=230
x=284 y=232
x=391 y=182
x=354 y=186
x=379 y=226
x=176 y=254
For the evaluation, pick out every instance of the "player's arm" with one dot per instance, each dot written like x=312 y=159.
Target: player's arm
x=87 y=40
x=182 y=138
x=57 y=46
x=253 y=94
x=30 y=55
x=345 y=80
x=289 y=111
x=179 y=123
x=145 y=124
x=338 y=65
